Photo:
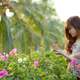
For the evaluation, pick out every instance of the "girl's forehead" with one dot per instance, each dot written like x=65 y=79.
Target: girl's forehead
x=70 y=26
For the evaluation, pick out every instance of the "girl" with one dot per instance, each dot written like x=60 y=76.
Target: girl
x=72 y=33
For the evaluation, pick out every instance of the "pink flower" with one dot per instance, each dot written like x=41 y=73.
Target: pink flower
x=73 y=61
x=3 y=73
x=36 y=63
x=12 y=52
x=3 y=57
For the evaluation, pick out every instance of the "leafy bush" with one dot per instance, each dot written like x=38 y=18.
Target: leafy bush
x=35 y=66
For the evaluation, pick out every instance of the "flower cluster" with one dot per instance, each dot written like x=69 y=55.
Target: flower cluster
x=73 y=61
x=3 y=73
x=4 y=58
x=36 y=63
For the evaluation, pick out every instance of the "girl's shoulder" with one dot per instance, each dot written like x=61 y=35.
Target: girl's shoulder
x=77 y=43
x=76 y=46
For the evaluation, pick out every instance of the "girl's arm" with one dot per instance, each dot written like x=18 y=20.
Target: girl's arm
x=67 y=55
x=63 y=53
x=75 y=55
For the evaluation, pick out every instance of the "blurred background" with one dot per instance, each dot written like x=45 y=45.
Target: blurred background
x=29 y=25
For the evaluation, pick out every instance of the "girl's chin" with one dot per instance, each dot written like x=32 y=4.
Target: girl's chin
x=73 y=35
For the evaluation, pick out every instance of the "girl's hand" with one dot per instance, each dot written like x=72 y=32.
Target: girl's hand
x=59 y=51
x=63 y=53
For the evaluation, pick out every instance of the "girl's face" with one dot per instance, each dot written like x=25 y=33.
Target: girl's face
x=72 y=31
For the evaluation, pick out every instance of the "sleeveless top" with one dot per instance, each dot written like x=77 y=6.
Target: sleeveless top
x=76 y=47
x=75 y=69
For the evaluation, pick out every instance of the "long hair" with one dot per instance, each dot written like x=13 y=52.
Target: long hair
x=74 y=21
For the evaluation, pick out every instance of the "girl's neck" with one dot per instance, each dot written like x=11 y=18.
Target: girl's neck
x=78 y=38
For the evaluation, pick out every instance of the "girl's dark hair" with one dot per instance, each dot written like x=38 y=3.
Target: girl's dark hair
x=74 y=21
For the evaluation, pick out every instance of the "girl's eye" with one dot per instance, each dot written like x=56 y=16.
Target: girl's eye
x=70 y=28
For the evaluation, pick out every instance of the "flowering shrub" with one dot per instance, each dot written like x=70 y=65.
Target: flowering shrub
x=3 y=73
x=5 y=63
x=34 y=66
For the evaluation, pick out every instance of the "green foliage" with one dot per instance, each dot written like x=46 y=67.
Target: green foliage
x=6 y=36
x=30 y=26
x=49 y=67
